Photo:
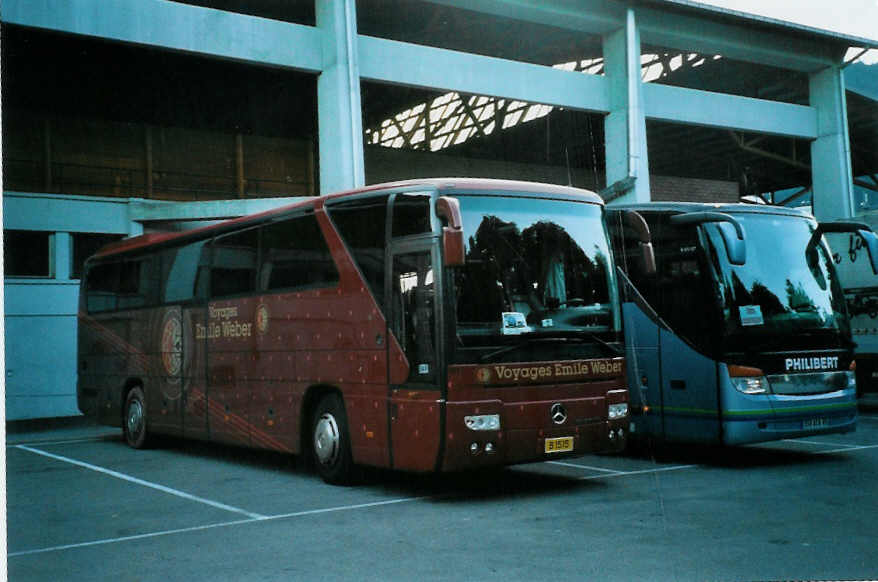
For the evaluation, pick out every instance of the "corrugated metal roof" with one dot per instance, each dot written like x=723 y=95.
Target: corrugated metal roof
x=848 y=39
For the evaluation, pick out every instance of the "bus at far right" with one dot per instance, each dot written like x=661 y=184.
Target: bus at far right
x=739 y=333
x=860 y=286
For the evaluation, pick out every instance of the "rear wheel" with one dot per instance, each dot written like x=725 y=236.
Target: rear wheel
x=330 y=441
x=134 y=418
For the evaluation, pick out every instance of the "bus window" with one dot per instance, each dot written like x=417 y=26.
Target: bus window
x=683 y=297
x=182 y=272
x=295 y=255
x=102 y=287
x=362 y=224
x=411 y=214
x=414 y=321
x=234 y=264
x=138 y=284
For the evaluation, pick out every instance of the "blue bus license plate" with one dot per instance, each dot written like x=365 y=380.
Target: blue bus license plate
x=559 y=445
x=812 y=423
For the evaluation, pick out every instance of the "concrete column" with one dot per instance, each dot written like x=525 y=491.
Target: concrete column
x=625 y=126
x=62 y=255
x=831 y=173
x=338 y=98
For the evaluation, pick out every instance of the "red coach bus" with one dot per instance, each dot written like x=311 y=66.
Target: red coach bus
x=434 y=325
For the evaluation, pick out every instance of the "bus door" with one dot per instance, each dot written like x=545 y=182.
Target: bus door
x=686 y=302
x=415 y=401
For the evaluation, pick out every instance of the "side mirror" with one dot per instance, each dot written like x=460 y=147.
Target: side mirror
x=730 y=229
x=870 y=239
x=637 y=223
x=453 y=253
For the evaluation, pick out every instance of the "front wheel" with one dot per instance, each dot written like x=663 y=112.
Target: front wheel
x=330 y=441
x=134 y=418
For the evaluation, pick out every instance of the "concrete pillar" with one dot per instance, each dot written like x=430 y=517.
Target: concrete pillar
x=831 y=173
x=625 y=126
x=338 y=98
x=61 y=255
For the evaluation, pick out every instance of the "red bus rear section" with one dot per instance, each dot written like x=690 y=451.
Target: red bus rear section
x=343 y=328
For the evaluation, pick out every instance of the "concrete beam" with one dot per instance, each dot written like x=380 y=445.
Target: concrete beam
x=174 y=26
x=693 y=106
x=401 y=63
x=754 y=44
x=597 y=17
x=160 y=210
x=60 y=213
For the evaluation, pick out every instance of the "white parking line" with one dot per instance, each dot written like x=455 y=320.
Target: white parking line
x=589 y=467
x=849 y=448
x=65 y=442
x=643 y=472
x=131 y=479
x=216 y=525
x=815 y=443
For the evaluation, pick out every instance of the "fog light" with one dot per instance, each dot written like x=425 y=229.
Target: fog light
x=615 y=411
x=474 y=448
x=489 y=448
x=482 y=422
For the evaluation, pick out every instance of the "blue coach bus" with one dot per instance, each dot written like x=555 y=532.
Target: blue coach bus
x=740 y=334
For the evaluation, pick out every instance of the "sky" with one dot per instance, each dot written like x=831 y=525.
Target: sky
x=854 y=17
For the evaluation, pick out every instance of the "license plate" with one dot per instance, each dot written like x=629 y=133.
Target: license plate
x=559 y=445
x=814 y=423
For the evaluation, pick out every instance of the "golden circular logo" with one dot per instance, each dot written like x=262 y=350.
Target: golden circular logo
x=483 y=375
x=261 y=319
x=172 y=344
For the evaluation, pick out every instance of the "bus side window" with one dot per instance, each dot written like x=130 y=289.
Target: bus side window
x=414 y=322
x=233 y=269
x=138 y=283
x=180 y=270
x=411 y=214
x=295 y=256
x=362 y=224
x=102 y=287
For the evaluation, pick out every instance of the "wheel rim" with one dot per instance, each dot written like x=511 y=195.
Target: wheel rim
x=135 y=417
x=326 y=439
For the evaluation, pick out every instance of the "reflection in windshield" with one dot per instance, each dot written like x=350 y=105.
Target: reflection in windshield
x=540 y=266
x=784 y=288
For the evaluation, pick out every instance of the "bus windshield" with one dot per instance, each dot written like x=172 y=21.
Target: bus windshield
x=537 y=276
x=786 y=292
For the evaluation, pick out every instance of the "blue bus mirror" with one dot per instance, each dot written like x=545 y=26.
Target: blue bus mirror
x=736 y=248
x=730 y=229
x=636 y=222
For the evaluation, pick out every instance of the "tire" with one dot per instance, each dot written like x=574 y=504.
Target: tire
x=134 y=419
x=331 y=441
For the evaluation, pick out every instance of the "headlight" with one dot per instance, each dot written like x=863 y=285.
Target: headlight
x=617 y=410
x=751 y=384
x=748 y=380
x=482 y=422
